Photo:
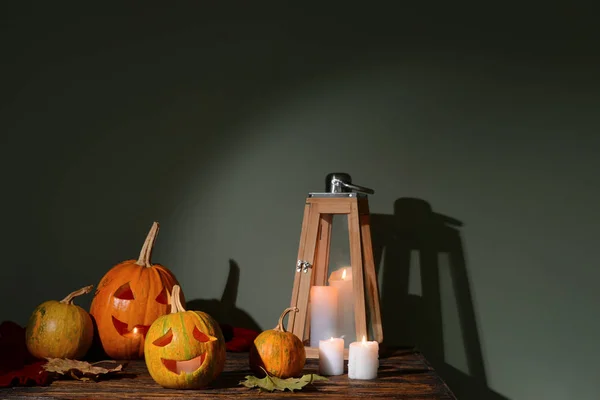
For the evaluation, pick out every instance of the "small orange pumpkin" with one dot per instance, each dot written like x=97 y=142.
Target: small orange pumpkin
x=129 y=298
x=279 y=352
x=60 y=329
x=184 y=349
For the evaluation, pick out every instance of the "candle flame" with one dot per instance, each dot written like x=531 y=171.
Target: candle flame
x=344 y=274
x=135 y=330
x=364 y=339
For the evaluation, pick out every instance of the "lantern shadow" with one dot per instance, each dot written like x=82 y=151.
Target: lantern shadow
x=225 y=310
x=416 y=235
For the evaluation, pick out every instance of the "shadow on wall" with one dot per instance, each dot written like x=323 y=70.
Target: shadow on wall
x=409 y=319
x=225 y=310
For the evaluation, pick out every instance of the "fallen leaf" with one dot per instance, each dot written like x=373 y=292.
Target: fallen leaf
x=82 y=370
x=272 y=383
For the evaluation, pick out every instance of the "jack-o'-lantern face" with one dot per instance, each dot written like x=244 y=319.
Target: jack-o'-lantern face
x=128 y=300
x=125 y=304
x=184 y=349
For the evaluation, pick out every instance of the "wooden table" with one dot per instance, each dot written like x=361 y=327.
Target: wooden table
x=403 y=374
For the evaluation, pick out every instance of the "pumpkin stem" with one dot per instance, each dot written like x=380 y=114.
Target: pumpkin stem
x=71 y=296
x=146 y=252
x=175 y=302
x=279 y=327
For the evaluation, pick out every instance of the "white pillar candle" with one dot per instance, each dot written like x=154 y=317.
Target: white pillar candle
x=342 y=280
x=331 y=356
x=363 y=360
x=323 y=313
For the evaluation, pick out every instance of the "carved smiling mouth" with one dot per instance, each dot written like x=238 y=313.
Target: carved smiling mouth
x=187 y=366
x=122 y=329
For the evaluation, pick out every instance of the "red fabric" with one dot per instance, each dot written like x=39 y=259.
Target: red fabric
x=241 y=340
x=17 y=366
x=29 y=375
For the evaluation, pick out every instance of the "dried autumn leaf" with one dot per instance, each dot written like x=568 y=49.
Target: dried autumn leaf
x=272 y=383
x=82 y=370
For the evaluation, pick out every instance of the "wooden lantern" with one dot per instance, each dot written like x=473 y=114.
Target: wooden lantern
x=341 y=197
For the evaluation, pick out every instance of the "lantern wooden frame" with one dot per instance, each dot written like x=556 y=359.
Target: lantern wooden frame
x=313 y=261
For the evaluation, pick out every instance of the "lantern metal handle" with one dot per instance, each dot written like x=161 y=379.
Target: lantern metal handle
x=341 y=182
x=352 y=186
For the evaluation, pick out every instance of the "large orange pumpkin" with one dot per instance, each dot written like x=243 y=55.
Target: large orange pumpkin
x=278 y=352
x=184 y=349
x=60 y=329
x=129 y=298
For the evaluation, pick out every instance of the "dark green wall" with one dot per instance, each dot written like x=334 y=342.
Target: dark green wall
x=478 y=129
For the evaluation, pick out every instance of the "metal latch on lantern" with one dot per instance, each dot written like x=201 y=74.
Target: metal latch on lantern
x=303 y=266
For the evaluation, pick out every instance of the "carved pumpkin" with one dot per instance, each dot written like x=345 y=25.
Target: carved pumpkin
x=279 y=352
x=128 y=299
x=184 y=349
x=60 y=329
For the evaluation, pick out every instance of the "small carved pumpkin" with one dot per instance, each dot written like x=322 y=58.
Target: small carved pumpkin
x=60 y=329
x=279 y=352
x=128 y=299
x=184 y=349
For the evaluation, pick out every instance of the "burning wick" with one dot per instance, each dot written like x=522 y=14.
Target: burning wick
x=135 y=330
x=344 y=274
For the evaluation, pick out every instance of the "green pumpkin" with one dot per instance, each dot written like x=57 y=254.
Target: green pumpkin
x=184 y=349
x=60 y=329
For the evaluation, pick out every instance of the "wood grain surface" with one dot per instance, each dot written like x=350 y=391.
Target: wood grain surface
x=403 y=374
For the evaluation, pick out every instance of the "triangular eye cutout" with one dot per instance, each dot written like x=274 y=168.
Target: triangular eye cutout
x=200 y=336
x=164 y=339
x=124 y=292
x=162 y=298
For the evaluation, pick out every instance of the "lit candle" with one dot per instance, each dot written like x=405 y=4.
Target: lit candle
x=363 y=360
x=331 y=356
x=133 y=334
x=342 y=280
x=323 y=313
x=137 y=333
